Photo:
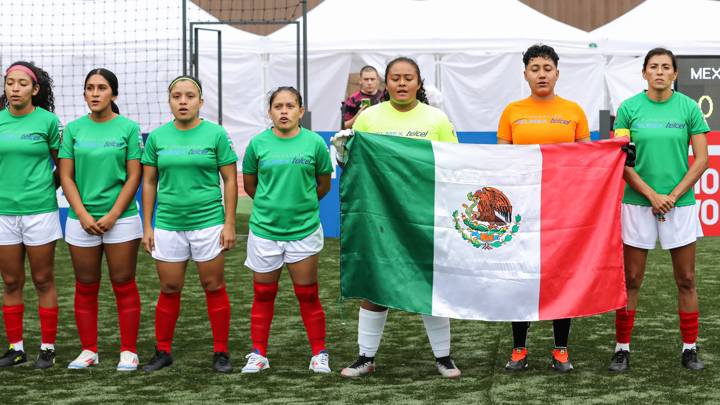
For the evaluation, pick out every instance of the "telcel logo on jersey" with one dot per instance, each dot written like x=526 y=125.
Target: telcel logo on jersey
x=658 y=125
x=487 y=222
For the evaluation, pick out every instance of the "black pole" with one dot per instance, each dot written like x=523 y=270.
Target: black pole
x=297 y=56
x=305 y=67
x=220 y=115
x=195 y=56
x=184 y=35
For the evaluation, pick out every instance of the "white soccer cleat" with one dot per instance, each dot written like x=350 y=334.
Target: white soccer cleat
x=320 y=363
x=256 y=363
x=86 y=359
x=446 y=367
x=128 y=361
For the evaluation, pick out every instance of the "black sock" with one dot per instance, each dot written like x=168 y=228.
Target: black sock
x=561 y=331
x=520 y=330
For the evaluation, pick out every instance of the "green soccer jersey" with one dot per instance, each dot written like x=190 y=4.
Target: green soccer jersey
x=188 y=163
x=661 y=132
x=26 y=179
x=286 y=206
x=100 y=152
x=423 y=122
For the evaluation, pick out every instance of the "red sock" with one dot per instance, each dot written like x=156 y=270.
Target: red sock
x=689 y=325
x=167 y=312
x=48 y=324
x=127 y=299
x=261 y=315
x=13 y=317
x=218 y=306
x=624 y=322
x=313 y=315
x=86 y=314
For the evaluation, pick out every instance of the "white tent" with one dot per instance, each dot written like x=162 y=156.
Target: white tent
x=687 y=28
x=471 y=50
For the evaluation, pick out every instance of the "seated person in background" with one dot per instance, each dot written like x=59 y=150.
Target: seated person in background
x=368 y=95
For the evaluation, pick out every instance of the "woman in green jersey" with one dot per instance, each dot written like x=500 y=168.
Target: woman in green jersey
x=286 y=170
x=659 y=202
x=184 y=160
x=29 y=221
x=100 y=174
x=405 y=114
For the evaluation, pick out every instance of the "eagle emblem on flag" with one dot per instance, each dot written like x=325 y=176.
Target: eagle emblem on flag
x=487 y=221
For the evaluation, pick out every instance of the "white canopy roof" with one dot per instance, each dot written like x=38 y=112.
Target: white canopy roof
x=431 y=26
x=686 y=27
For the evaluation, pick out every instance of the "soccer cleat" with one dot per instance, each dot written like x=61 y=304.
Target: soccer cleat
x=45 y=359
x=13 y=357
x=221 y=362
x=86 y=359
x=362 y=366
x=518 y=360
x=561 y=361
x=256 y=363
x=690 y=360
x=446 y=367
x=620 y=361
x=320 y=363
x=128 y=361
x=160 y=360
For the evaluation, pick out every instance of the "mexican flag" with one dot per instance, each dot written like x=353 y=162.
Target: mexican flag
x=490 y=232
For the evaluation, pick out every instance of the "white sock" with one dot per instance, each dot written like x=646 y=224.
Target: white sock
x=18 y=346
x=688 y=346
x=438 y=332
x=46 y=346
x=370 y=331
x=622 y=346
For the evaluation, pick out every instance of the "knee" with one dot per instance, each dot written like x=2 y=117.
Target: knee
x=265 y=292
x=13 y=284
x=633 y=281
x=171 y=288
x=121 y=278
x=43 y=281
x=212 y=284
x=685 y=282
x=306 y=293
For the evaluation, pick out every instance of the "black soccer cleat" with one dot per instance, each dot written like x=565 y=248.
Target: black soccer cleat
x=45 y=359
x=690 y=360
x=620 y=361
x=160 y=360
x=221 y=362
x=13 y=357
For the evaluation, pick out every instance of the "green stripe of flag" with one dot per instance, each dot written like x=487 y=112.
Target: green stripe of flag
x=387 y=224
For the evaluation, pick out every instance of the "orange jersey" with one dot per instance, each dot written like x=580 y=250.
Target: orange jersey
x=532 y=121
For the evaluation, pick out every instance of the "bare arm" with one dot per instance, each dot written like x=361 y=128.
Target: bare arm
x=250 y=182
x=56 y=173
x=503 y=142
x=126 y=196
x=696 y=170
x=228 y=237
x=149 y=193
x=349 y=123
x=66 y=168
x=323 y=185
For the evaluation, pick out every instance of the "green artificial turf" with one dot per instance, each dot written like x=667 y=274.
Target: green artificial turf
x=405 y=368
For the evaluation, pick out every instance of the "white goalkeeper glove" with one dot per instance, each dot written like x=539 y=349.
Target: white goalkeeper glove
x=339 y=140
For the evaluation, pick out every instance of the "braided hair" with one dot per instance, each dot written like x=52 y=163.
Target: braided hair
x=44 y=98
x=420 y=95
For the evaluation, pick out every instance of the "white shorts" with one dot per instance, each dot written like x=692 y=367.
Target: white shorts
x=641 y=228
x=264 y=255
x=178 y=246
x=125 y=229
x=31 y=230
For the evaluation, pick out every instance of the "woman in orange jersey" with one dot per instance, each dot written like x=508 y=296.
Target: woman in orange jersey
x=544 y=117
